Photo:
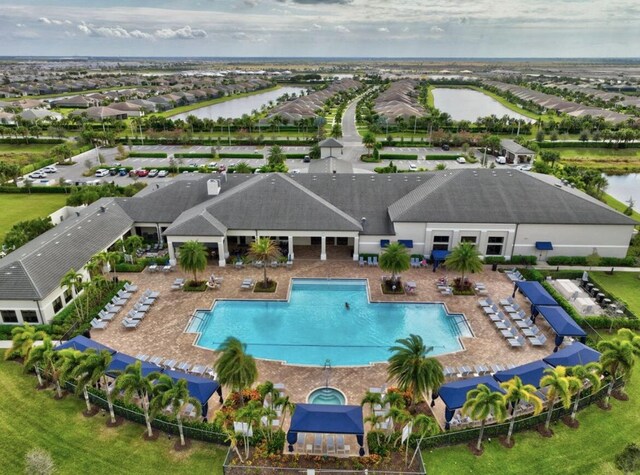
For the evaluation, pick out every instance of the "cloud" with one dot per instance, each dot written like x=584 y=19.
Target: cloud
x=342 y=29
x=184 y=33
x=112 y=32
x=251 y=3
x=436 y=29
x=318 y=2
x=317 y=27
x=383 y=29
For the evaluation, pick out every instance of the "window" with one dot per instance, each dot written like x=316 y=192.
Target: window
x=494 y=246
x=9 y=316
x=29 y=316
x=316 y=241
x=469 y=239
x=68 y=296
x=342 y=241
x=57 y=305
x=440 y=243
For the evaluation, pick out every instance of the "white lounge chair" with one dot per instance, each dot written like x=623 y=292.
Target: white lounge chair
x=130 y=287
x=485 y=302
x=130 y=324
x=98 y=324
x=531 y=332
x=538 y=340
x=508 y=301
x=517 y=342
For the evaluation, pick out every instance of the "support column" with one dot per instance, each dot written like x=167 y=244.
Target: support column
x=222 y=261
x=356 y=247
x=323 y=248
x=290 y=247
x=172 y=253
x=159 y=232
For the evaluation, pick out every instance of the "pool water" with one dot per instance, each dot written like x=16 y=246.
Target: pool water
x=329 y=396
x=314 y=327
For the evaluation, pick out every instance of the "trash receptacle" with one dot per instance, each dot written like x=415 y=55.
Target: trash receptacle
x=494 y=267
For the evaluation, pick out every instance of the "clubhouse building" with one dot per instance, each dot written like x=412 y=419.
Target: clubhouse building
x=319 y=216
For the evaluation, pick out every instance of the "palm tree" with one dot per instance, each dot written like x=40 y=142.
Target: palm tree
x=424 y=426
x=91 y=369
x=173 y=394
x=464 y=258
x=193 y=258
x=22 y=339
x=251 y=414
x=412 y=369
x=132 y=244
x=285 y=406
x=40 y=358
x=480 y=403
x=516 y=392
x=372 y=399
x=561 y=387
x=70 y=361
x=134 y=383
x=369 y=141
x=72 y=280
x=235 y=367
x=617 y=358
x=264 y=250
x=586 y=373
x=395 y=259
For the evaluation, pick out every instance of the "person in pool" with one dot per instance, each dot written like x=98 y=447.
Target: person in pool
x=347 y=306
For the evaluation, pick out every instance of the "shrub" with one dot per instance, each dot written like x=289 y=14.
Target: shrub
x=194 y=155
x=35 y=189
x=526 y=260
x=494 y=260
x=440 y=156
x=126 y=267
x=567 y=261
x=398 y=156
x=240 y=155
x=5 y=330
x=583 y=261
x=629 y=459
x=376 y=440
x=147 y=155
x=194 y=286
x=295 y=155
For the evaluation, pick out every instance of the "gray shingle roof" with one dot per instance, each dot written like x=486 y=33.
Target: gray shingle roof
x=515 y=147
x=329 y=164
x=34 y=270
x=330 y=142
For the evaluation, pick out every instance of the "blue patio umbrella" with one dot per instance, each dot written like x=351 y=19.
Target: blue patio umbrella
x=120 y=361
x=82 y=343
x=573 y=355
x=530 y=373
x=454 y=394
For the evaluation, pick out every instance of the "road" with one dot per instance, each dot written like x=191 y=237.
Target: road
x=351 y=139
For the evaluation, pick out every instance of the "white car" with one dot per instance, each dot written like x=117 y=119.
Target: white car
x=37 y=175
x=102 y=172
x=525 y=168
x=50 y=169
x=461 y=160
x=413 y=166
x=162 y=173
x=501 y=160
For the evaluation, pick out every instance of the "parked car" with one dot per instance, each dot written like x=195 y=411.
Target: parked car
x=102 y=172
x=113 y=171
x=153 y=173
x=413 y=166
x=461 y=160
x=222 y=167
x=50 y=169
x=162 y=173
x=306 y=159
x=445 y=146
x=142 y=173
x=212 y=166
x=37 y=175
x=123 y=172
x=501 y=160
x=525 y=168
x=133 y=172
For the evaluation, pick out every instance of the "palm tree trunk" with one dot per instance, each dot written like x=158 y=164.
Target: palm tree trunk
x=180 y=429
x=147 y=418
x=511 y=425
x=609 y=391
x=39 y=376
x=58 y=389
x=479 y=444
x=266 y=282
x=86 y=398
x=575 y=406
x=551 y=404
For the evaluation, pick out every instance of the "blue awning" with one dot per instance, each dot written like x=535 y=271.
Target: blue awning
x=384 y=243
x=530 y=373
x=576 y=354
x=82 y=343
x=439 y=256
x=200 y=388
x=544 y=246
x=560 y=321
x=408 y=243
x=454 y=394
x=120 y=361
x=326 y=419
x=535 y=292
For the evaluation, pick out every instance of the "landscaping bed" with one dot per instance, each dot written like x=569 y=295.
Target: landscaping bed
x=259 y=287
x=194 y=286
x=392 y=288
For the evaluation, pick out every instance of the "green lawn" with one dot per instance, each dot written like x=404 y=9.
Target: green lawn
x=624 y=285
x=31 y=418
x=590 y=449
x=24 y=154
x=620 y=206
x=19 y=207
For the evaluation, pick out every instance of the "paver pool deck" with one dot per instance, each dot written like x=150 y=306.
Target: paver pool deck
x=162 y=331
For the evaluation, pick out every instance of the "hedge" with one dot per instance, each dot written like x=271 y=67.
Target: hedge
x=441 y=156
x=38 y=165
x=214 y=141
x=295 y=155
x=36 y=189
x=582 y=261
x=559 y=144
x=240 y=155
x=515 y=260
x=398 y=156
x=147 y=155
x=194 y=155
x=31 y=141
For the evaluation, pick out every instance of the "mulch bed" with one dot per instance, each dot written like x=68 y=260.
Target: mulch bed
x=602 y=404
x=543 y=431
x=474 y=449
x=178 y=447
x=503 y=441
x=155 y=435
x=94 y=410
x=119 y=421
x=258 y=288
x=572 y=423
x=43 y=387
x=387 y=288
x=620 y=396
x=58 y=398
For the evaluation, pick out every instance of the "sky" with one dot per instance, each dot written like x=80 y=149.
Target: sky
x=321 y=28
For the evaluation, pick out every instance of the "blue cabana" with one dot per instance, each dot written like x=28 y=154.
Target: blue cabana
x=82 y=343
x=326 y=419
x=535 y=292
x=561 y=322
x=530 y=373
x=438 y=257
x=576 y=354
x=120 y=361
x=200 y=388
x=454 y=394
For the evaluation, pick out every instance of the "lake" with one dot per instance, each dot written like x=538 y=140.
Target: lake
x=235 y=108
x=467 y=104
x=621 y=187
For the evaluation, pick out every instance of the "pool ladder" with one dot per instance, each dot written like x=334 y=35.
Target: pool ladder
x=327 y=372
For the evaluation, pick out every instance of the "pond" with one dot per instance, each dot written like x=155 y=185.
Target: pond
x=622 y=187
x=235 y=108
x=467 y=104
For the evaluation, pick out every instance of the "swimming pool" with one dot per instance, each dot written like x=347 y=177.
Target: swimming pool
x=315 y=327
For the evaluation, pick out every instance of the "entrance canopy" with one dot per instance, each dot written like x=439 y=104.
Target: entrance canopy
x=576 y=354
x=530 y=373
x=326 y=419
x=454 y=394
x=438 y=257
x=82 y=343
x=544 y=246
x=120 y=361
x=561 y=322
x=535 y=292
